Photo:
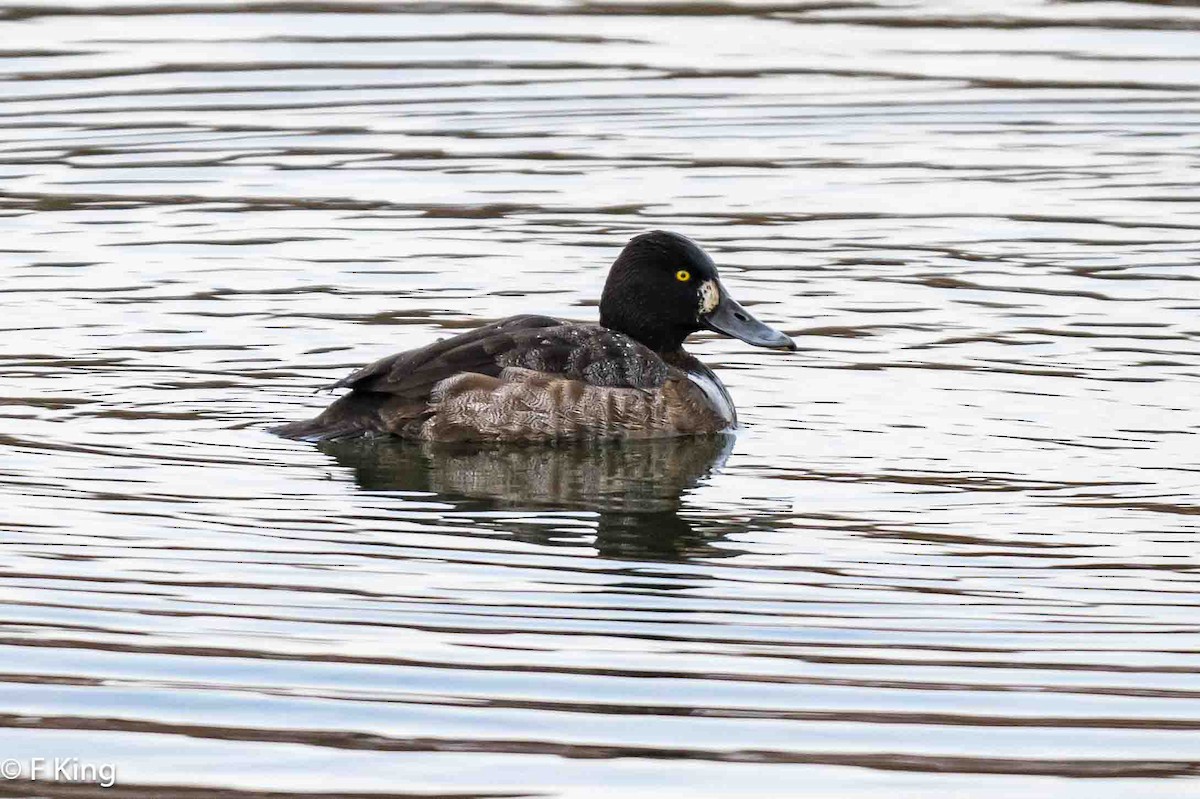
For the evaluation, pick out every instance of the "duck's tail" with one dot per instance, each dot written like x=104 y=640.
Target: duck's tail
x=356 y=414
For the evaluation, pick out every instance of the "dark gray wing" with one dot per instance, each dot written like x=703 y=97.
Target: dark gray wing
x=590 y=353
x=413 y=373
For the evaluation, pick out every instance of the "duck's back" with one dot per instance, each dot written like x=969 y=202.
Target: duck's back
x=524 y=378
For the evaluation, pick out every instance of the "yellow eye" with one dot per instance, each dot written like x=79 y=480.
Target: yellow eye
x=683 y=275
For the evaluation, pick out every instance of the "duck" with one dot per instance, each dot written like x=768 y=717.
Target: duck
x=538 y=379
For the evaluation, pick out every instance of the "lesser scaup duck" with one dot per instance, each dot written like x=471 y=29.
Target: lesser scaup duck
x=539 y=379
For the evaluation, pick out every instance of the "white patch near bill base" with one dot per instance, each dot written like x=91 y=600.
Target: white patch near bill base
x=710 y=296
x=718 y=397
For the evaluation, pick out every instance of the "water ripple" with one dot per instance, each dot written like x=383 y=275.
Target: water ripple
x=952 y=551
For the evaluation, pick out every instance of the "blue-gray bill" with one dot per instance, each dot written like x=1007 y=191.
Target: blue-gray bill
x=730 y=318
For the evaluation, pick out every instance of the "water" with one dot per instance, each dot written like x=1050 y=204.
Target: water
x=952 y=552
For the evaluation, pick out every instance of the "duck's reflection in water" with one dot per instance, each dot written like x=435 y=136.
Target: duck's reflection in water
x=637 y=488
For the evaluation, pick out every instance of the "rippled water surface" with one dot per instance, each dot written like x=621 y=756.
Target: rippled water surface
x=953 y=552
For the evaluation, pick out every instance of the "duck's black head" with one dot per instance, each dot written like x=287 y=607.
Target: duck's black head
x=663 y=287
